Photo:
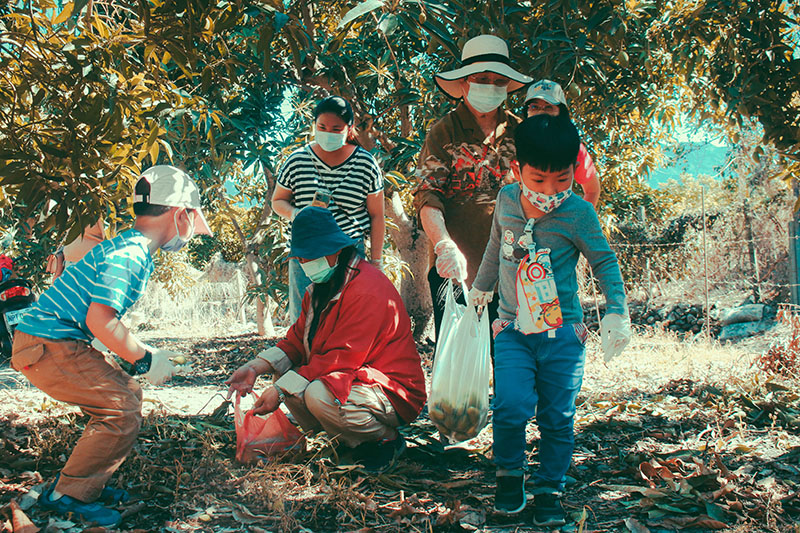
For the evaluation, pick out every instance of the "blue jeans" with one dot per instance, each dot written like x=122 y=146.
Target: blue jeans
x=537 y=375
x=299 y=282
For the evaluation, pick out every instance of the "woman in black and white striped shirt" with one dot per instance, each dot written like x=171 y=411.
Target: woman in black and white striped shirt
x=333 y=171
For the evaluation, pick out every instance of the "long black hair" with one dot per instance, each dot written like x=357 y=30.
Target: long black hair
x=323 y=292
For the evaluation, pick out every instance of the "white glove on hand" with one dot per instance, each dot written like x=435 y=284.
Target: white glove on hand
x=480 y=298
x=615 y=334
x=450 y=262
x=161 y=368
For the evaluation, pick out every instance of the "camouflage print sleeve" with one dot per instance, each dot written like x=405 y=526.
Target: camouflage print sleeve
x=433 y=168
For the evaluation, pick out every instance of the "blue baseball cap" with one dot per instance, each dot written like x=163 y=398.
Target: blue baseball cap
x=316 y=234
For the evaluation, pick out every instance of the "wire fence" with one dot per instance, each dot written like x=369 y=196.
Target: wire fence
x=725 y=271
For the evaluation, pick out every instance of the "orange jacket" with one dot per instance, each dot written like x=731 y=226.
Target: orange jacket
x=364 y=336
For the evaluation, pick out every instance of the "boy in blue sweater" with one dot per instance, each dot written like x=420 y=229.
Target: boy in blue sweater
x=52 y=343
x=538 y=232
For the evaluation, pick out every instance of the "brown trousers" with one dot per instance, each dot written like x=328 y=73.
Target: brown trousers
x=368 y=415
x=75 y=373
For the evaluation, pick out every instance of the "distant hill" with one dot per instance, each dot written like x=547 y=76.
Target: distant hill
x=690 y=158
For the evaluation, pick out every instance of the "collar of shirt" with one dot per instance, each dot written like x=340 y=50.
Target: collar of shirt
x=469 y=124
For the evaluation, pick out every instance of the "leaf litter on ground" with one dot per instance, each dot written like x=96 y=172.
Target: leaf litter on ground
x=671 y=436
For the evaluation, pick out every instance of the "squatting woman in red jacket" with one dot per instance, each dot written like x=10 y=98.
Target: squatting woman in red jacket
x=349 y=364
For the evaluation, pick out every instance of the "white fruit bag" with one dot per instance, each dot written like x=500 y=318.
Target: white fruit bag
x=459 y=401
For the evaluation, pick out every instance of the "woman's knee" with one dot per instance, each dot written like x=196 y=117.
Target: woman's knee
x=318 y=399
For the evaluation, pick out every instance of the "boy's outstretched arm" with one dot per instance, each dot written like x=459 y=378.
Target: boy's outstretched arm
x=102 y=321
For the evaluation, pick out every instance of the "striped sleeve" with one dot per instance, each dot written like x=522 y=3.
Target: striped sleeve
x=285 y=175
x=375 y=176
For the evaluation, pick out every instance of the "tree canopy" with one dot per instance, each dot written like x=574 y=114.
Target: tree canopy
x=92 y=91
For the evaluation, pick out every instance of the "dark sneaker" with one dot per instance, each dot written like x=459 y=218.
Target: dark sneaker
x=379 y=457
x=90 y=512
x=509 y=496
x=112 y=496
x=547 y=510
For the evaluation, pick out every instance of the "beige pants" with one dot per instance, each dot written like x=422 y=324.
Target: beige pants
x=368 y=415
x=75 y=373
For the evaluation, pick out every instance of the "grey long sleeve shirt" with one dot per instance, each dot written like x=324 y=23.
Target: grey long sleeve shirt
x=570 y=230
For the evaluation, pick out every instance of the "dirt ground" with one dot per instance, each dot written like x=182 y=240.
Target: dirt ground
x=674 y=434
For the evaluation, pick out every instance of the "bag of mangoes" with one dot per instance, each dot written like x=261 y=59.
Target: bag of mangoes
x=459 y=398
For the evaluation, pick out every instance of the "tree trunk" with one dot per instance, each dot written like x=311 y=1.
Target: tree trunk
x=412 y=245
x=263 y=312
x=751 y=249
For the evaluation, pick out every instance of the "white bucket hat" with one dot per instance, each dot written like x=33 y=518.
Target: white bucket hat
x=484 y=53
x=170 y=186
x=546 y=90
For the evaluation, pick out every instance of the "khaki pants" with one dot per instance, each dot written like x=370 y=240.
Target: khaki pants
x=75 y=373
x=367 y=416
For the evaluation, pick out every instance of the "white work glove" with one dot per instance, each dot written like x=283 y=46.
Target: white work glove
x=161 y=368
x=480 y=298
x=450 y=262
x=615 y=334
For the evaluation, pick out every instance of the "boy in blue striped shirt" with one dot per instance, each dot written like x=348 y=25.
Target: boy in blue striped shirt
x=52 y=344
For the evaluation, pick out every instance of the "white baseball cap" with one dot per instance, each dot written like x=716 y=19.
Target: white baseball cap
x=484 y=53
x=172 y=187
x=546 y=90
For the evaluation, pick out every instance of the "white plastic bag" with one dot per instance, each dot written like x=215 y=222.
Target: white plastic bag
x=459 y=399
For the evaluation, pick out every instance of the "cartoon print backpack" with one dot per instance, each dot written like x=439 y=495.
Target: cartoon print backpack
x=538 y=308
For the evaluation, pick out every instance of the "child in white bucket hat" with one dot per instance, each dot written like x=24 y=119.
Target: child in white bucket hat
x=546 y=97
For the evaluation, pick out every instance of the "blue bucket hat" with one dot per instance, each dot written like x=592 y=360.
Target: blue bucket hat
x=316 y=234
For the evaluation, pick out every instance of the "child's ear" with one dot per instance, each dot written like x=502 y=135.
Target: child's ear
x=516 y=170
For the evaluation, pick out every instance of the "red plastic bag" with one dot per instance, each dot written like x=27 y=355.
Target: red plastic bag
x=258 y=436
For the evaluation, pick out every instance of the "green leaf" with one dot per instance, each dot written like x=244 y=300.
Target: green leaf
x=364 y=7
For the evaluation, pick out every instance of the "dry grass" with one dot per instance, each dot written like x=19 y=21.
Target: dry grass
x=665 y=399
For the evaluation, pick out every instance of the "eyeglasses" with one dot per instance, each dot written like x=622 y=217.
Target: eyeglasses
x=486 y=78
x=537 y=106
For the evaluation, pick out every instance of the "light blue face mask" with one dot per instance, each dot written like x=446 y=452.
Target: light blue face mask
x=177 y=242
x=486 y=97
x=330 y=141
x=318 y=270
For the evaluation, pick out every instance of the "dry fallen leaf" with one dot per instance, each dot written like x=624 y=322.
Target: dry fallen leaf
x=20 y=522
x=635 y=526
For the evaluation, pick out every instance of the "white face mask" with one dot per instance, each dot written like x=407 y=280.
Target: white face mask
x=318 y=270
x=545 y=202
x=485 y=98
x=177 y=242
x=330 y=142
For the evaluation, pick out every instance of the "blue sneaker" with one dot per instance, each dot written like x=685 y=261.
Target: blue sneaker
x=90 y=512
x=109 y=496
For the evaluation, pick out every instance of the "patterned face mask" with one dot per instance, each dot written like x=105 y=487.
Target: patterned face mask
x=545 y=202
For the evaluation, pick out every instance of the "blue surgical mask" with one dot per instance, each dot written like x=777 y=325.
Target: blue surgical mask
x=486 y=97
x=177 y=242
x=329 y=141
x=318 y=270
